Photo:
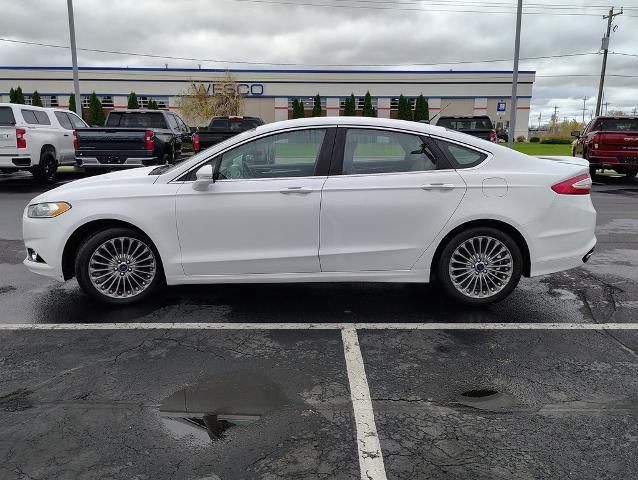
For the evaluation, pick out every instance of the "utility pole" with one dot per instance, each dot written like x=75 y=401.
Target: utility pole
x=634 y=112
x=605 y=48
x=606 y=105
x=74 y=59
x=517 y=49
x=540 y=116
x=584 y=108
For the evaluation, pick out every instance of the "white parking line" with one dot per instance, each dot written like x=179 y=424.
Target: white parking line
x=319 y=326
x=370 y=456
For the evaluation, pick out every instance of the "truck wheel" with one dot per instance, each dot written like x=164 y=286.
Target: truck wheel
x=592 y=171
x=46 y=170
x=118 y=266
x=631 y=172
x=169 y=157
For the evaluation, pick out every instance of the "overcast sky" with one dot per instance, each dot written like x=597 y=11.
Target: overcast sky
x=392 y=32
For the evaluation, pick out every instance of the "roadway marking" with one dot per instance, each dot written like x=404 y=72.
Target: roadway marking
x=319 y=326
x=370 y=456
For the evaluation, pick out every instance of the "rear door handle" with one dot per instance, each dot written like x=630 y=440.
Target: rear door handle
x=66 y=134
x=438 y=186
x=299 y=190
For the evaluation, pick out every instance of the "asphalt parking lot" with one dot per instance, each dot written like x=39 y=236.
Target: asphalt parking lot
x=324 y=381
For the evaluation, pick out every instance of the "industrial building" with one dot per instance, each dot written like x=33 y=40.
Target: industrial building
x=269 y=93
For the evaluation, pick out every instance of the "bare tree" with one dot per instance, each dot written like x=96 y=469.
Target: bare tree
x=199 y=103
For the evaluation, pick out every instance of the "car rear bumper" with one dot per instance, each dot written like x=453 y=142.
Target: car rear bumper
x=564 y=236
x=15 y=161
x=131 y=162
x=617 y=158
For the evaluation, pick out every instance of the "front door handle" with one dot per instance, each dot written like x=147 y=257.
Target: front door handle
x=438 y=186
x=66 y=134
x=300 y=190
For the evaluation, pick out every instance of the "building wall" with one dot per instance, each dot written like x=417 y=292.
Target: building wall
x=269 y=91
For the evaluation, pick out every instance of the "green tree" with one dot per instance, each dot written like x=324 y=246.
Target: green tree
x=72 y=102
x=316 y=108
x=421 y=109
x=36 y=101
x=298 y=109
x=152 y=105
x=19 y=96
x=350 y=106
x=12 y=95
x=405 y=113
x=132 y=101
x=368 y=111
x=96 y=113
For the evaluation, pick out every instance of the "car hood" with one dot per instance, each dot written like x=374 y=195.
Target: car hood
x=128 y=176
x=581 y=162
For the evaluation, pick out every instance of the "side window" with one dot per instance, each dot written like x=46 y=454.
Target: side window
x=43 y=118
x=29 y=116
x=172 y=122
x=380 y=151
x=181 y=124
x=64 y=120
x=77 y=121
x=290 y=154
x=463 y=157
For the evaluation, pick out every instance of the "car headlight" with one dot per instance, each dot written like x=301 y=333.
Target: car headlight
x=47 y=210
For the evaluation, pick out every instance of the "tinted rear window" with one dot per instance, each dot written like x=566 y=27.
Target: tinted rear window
x=219 y=123
x=466 y=123
x=6 y=116
x=63 y=118
x=29 y=117
x=136 y=120
x=43 y=118
x=617 y=125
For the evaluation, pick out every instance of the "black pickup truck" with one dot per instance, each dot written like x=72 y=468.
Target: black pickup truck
x=221 y=128
x=479 y=126
x=133 y=138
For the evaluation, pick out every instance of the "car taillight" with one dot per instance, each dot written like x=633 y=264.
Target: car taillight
x=596 y=140
x=196 y=146
x=150 y=145
x=493 y=136
x=21 y=142
x=76 y=145
x=580 y=185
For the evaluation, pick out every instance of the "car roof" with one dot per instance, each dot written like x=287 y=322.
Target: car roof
x=351 y=121
x=23 y=105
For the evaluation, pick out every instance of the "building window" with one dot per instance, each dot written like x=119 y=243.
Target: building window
x=50 y=101
x=107 y=101
x=394 y=103
x=361 y=100
x=162 y=102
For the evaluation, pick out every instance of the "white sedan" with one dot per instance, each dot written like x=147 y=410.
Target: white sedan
x=336 y=199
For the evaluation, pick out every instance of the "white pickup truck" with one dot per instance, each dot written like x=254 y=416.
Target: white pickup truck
x=37 y=139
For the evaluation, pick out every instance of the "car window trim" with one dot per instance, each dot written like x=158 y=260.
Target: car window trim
x=336 y=166
x=323 y=159
x=452 y=161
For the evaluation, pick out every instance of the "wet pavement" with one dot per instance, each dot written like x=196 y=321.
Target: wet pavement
x=266 y=404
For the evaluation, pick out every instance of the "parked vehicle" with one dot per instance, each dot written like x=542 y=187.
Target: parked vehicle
x=36 y=139
x=478 y=126
x=133 y=138
x=332 y=199
x=609 y=142
x=222 y=128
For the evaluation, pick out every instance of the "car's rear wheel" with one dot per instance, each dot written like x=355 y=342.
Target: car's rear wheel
x=631 y=172
x=45 y=171
x=480 y=266
x=118 y=266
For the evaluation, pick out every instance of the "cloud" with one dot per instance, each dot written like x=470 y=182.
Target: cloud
x=236 y=30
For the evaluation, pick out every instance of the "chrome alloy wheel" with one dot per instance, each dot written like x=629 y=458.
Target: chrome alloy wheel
x=481 y=267
x=122 y=267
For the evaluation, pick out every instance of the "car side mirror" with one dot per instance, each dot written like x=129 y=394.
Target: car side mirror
x=203 y=178
x=576 y=133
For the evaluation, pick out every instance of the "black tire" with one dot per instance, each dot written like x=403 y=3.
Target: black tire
x=631 y=172
x=93 y=243
x=592 y=171
x=169 y=157
x=45 y=171
x=445 y=280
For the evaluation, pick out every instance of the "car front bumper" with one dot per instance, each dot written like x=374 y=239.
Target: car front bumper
x=46 y=237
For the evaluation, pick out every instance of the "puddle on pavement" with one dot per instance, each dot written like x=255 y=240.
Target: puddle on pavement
x=203 y=412
x=487 y=399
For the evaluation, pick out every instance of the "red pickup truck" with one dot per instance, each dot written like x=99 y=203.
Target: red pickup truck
x=609 y=142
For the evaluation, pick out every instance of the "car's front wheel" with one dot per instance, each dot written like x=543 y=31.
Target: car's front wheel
x=480 y=266
x=118 y=266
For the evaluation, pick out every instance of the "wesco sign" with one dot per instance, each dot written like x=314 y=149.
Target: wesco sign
x=248 y=89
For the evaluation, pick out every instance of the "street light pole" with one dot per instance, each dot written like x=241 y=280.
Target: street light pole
x=74 y=59
x=517 y=47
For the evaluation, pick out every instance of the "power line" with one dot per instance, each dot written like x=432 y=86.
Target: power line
x=414 y=9
x=245 y=62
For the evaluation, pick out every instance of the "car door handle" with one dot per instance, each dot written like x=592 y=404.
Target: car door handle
x=438 y=186
x=300 y=190
x=66 y=134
